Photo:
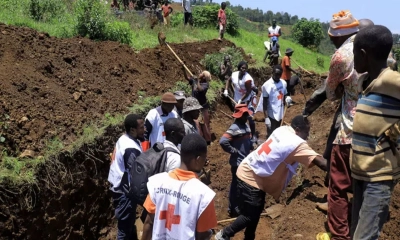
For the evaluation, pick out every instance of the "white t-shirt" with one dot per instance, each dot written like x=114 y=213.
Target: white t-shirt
x=271 y=30
x=173 y=159
x=157 y=120
x=239 y=86
x=186 y=5
x=275 y=92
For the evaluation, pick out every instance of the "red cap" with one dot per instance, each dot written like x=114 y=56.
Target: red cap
x=240 y=109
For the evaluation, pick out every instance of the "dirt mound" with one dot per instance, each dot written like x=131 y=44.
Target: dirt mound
x=54 y=87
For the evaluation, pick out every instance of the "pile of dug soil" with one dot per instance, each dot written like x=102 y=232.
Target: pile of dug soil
x=55 y=87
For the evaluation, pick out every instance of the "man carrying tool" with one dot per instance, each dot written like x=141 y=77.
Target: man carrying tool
x=243 y=87
x=225 y=75
x=287 y=69
x=156 y=118
x=269 y=169
x=274 y=30
x=180 y=206
x=126 y=150
x=200 y=87
x=237 y=141
x=274 y=98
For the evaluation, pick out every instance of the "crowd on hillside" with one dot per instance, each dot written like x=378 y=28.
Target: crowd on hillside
x=160 y=162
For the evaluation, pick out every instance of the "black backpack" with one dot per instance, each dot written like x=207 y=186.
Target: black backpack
x=144 y=166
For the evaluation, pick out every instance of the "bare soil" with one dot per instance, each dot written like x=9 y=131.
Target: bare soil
x=39 y=77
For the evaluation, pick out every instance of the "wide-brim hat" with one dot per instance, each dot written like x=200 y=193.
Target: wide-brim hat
x=289 y=50
x=191 y=104
x=240 y=109
x=168 y=97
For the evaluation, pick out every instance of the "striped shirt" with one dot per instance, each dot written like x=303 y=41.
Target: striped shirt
x=377 y=115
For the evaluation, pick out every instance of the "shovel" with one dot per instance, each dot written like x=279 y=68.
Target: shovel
x=161 y=40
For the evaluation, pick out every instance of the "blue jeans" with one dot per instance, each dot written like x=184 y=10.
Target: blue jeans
x=233 y=191
x=125 y=213
x=370 y=208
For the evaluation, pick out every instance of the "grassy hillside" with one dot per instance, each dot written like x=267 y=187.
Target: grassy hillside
x=144 y=37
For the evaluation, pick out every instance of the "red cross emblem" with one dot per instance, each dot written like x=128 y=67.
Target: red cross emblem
x=280 y=96
x=265 y=147
x=169 y=217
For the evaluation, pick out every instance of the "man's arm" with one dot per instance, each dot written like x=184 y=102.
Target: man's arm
x=148 y=227
x=206 y=221
x=279 y=32
x=316 y=100
x=320 y=162
x=225 y=142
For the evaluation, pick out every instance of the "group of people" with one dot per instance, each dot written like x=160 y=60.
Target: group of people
x=362 y=153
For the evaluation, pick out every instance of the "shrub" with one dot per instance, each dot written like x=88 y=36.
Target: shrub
x=176 y=19
x=207 y=16
x=45 y=10
x=91 y=19
x=213 y=61
x=308 y=33
x=119 y=31
x=320 y=61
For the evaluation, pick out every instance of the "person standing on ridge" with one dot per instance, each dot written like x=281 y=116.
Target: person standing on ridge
x=274 y=30
x=222 y=21
x=187 y=12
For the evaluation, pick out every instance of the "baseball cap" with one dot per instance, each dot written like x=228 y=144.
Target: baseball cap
x=179 y=95
x=168 y=97
x=191 y=104
x=240 y=109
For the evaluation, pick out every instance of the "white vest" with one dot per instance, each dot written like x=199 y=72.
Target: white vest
x=179 y=206
x=276 y=95
x=157 y=121
x=117 y=167
x=269 y=155
x=271 y=30
x=239 y=86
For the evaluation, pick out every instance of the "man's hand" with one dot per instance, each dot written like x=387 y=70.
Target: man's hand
x=226 y=93
x=288 y=100
x=240 y=101
x=268 y=122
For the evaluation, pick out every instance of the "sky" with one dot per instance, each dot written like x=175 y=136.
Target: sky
x=382 y=12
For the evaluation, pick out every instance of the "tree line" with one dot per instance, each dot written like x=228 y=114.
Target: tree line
x=256 y=15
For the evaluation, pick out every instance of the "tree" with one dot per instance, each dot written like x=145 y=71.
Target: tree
x=294 y=19
x=308 y=33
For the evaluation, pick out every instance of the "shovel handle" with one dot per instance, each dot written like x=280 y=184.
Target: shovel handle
x=187 y=69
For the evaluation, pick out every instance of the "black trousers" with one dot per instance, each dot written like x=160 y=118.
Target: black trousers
x=251 y=202
x=274 y=125
x=188 y=18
